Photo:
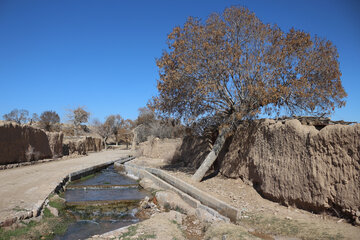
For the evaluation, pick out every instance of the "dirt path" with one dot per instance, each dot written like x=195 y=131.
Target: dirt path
x=23 y=189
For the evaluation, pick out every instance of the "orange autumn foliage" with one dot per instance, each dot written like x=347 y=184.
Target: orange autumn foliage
x=234 y=65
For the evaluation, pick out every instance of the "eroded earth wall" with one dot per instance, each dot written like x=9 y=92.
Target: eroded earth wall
x=22 y=143
x=299 y=165
x=56 y=143
x=159 y=148
x=93 y=144
x=82 y=146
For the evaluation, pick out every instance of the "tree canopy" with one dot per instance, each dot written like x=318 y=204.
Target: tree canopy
x=49 y=120
x=146 y=116
x=19 y=116
x=234 y=65
x=78 y=116
x=116 y=124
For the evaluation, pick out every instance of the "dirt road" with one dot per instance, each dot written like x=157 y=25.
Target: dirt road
x=24 y=189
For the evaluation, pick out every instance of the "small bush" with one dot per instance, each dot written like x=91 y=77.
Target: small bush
x=50 y=121
x=31 y=155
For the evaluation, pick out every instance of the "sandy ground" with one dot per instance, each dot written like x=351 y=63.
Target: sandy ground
x=25 y=188
x=261 y=215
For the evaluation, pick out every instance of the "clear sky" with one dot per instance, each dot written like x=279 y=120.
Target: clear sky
x=56 y=55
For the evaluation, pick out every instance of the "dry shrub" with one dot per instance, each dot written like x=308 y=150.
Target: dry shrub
x=31 y=155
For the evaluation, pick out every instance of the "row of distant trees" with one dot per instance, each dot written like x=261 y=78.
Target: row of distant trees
x=122 y=129
x=48 y=120
x=114 y=126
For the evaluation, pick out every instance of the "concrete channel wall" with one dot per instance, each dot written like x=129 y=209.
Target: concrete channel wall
x=193 y=196
x=220 y=206
x=87 y=171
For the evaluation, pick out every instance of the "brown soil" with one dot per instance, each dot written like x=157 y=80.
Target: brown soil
x=192 y=228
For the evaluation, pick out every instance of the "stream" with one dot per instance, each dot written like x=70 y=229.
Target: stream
x=100 y=203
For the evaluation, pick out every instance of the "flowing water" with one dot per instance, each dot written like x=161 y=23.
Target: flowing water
x=102 y=203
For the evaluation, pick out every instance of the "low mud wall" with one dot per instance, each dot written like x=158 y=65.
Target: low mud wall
x=93 y=144
x=159 y=148
x=299 y=165
x=22 y=144
x=82 y=146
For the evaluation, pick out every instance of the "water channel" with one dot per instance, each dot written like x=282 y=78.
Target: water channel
x=100 y=203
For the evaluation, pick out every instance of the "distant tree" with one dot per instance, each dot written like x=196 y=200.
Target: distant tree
x=78 y=116
x=233 y=67
x=18 y=116
x=118 y=123
x=119 y=128
x=105 y=130
x=124 y=133
x=49 y=120
x=34 y=118
x=146 y=116
x=129 y=124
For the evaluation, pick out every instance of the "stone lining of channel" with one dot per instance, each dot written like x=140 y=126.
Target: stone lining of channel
x=23 y=164
x=193 y=196
x=60 y=187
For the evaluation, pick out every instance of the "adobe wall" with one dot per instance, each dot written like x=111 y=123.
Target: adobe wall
x=159 y=148
x=82 y=146
x=22 y=144
x=299 y=165
x=56 y=143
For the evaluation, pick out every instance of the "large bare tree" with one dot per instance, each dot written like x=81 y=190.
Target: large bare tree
x=233 y=67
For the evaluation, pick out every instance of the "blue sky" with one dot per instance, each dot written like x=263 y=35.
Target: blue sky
x=57 y=55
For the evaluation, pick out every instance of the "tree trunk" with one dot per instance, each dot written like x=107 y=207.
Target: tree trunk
x=75 y=130
x=211 y=157
x=105 y=146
